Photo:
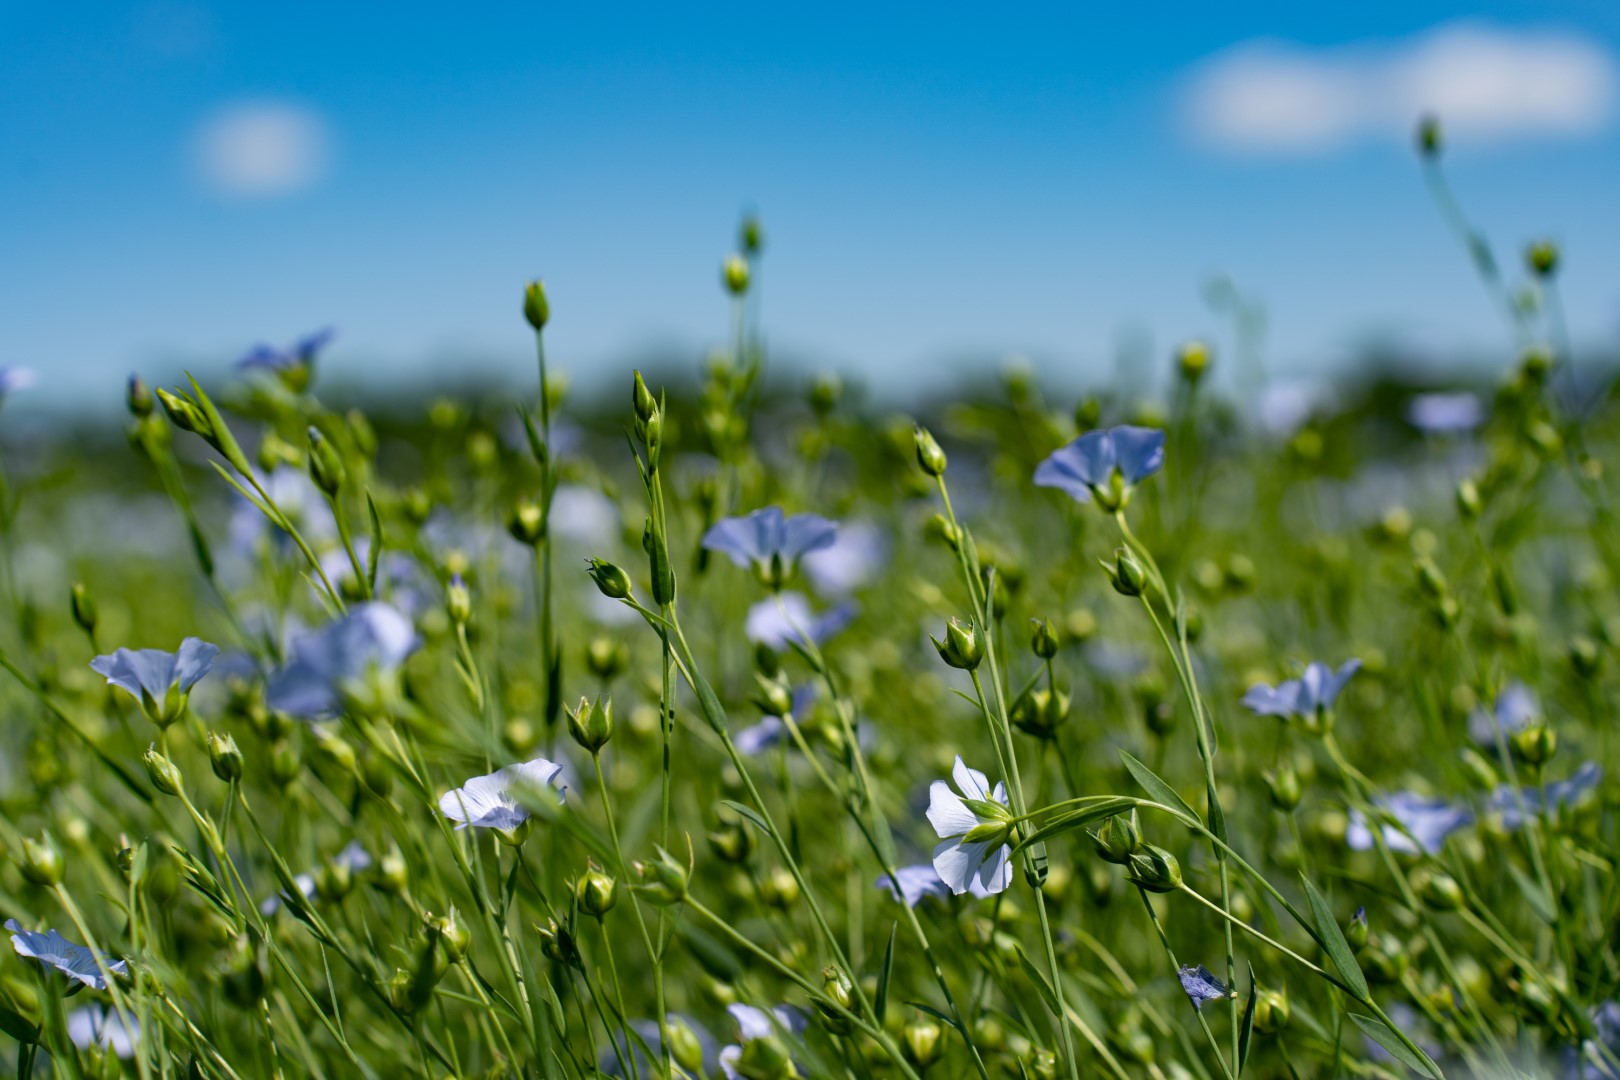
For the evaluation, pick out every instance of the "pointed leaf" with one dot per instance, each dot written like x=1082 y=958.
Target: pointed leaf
x=880 y=1005
x=1035 y=976
x=18 y=1026
x=374 y=556
x=223 y=440
x=1379 y=1032
x=1159 y=791
x=937 y=1015
x=759 y=822
x=1535 y=896
x=1333 y=942
x=1247 y=1030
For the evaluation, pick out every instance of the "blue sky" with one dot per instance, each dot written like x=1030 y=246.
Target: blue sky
x=940 y=185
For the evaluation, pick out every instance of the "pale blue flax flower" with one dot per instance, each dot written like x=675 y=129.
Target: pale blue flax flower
x=1445 y=413
x=911 y=885
x=755 y=1024
x=353 y=858
x=293 y=364
x=850 y=562
x=14 y=377
x=780 y=620
x=343 y=658
x=770 y=542
x=97 y=1025
x=1424 y=823
x=1515 y=709
x=501 y=800
x=1201 y=985
x=1306 y=698
x=1104 y=465
x=1560 y=795
x=159 y=680
x=975 y=826
x=53 y=950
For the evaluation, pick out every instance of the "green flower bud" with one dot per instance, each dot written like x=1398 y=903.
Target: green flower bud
x=826 y=390
x=663 y=881
x=606 y=658
x=184 y=413
x=1044 y=641
x=839 y=991
x=779 y=889
x=765 y=1059
x=684 y=1045
x=929 y=454
x=224 y=756
x=417 y=506
x=734 y=274
x=1126 y=574
x=642 y=400
x=1536 y=364
x=334 y=880
x=1271 y=1012
x=286 y=763
x=751 y=235
x=84 y=609
x=526 y=522
x=1285 y=788
x=452 y=934
x=1355 y=932
x=536 y=308
x=1468 y=500
x=733 y=842
x=558 y=944
x=596 y=892
x=1535 y=744
x=1438 y=890
x=920 y=1041
x=138 y=398
x=1429 y=138
x=1541 y=256
x=1585 y=656
x=1040 y=712
x=1192 y=359
x=1154 y=869
x=161 y=771
x=611 y=580
x=773 y=695
x=458 y=601
x=962 y=648
x=325 y=463
x=1119 y=838
x=391 y=874
x=1429 y=577
x=591 y=723
x=42 y=860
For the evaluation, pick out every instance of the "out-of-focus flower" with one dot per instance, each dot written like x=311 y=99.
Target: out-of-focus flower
x=757 y=1025
x=974 y=844
x=770 y=542
x=780 y=620
x=1104 y=464
x=1306 y=697
x=354 y=858
x=1445 y=413
x=1516 y=708
x=1560 y=795
x=300 y=355
x=853 y=559
x=97 y=1025
x=1201 y=985
x=1428 y=821
x=14 y=377
x=371 y=640
x=495 y=801
x=53 y=950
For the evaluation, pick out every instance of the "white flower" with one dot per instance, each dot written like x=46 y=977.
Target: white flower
x=958 y=861
x=493 y=801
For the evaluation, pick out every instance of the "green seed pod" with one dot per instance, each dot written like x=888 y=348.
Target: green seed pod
x=920 y=1041
x=84 y=609
x=1155 y=870
x=526 y=522
x=1585 y=656
x=1044 y=641
x=1192 y=360
x=606 y=658
x=1469 y=503
x=1285 y=788
x=1438 y=890
x=839 y=991
x=1541 y=257
x=733 y=842
x=663 y=881
x=1271 y=1012
x=1126 y=574
x=1535 y=744
x=1119 y=838
x=591 y=724
x=161 y=771
x=779 y=889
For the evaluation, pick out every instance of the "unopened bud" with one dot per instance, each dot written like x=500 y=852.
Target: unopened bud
x=962 y=648
x=138 y=398
x=1192 y=359
x=663 y=881
x=1430 y=139
x=1468 y=501
x=591 y=723
x=929 y=454
x=325 y=463
x=839 y=991
x=1285 y=788
x=1585 y=656
x=611 y=580
x=1355 y=932
x=1535 y=744
x=1119 y=838
x=645 y=404
x=1126 y=574
x=536 y=308
x=1438 y=890
x=161 y=771
x=773 y=695
x=1044 y=641
x=606 y=657
x=458 y=601
x=1155 y=870
x=224 y=756
x=596 y=892
x=84 y=609
x=920 y=1040
x=527 y=522
x=734 y=274
x=42 y=860
x=1542 y=258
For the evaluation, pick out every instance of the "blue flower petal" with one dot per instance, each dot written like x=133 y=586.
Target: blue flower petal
x=1138 y=451
x=1201 y=985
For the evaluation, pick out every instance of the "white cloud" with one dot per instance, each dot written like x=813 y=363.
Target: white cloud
x=1484 y=84
x=262 y=149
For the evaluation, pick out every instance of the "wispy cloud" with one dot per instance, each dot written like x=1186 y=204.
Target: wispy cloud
x=1484 y=83
x=262 y=150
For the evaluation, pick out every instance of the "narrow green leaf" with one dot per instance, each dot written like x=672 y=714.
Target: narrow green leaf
x=1379 y=1032
x=374 y=556
x=1534 y=895
x=1247 y=1030
x=1076 y=820
x=537 y=445
x=18 y=1026
x=880 y=1006
x=1333 y=942
x=1157 y=789
x=223 y=440
x=748 y=813
x=937 y=1015
x=1035 y=976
